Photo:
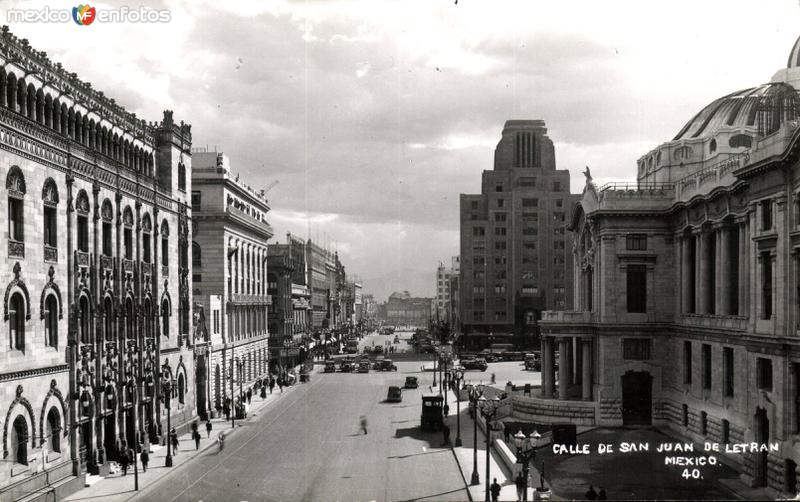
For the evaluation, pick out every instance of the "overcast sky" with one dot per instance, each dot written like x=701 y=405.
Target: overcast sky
x=374 y=115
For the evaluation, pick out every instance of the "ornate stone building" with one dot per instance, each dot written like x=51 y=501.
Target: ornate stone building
x=687 y=288
x=229 y=265
x=97 y=283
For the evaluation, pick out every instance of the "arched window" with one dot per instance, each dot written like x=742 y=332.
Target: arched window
x=197 y=258
x=712 y=146
x=82 y=208
x=54 y=430
x=147 y=243
x=164 y=243
x=108 y=318
x=51 y=321
x=127 y=233
x=181 y=176
x=84 y=320
x=50 y=223
x=11 y=92
x=165 y=318
x=107 y=214
x=130 y=320
x=19 y=440
x=16 y=321
x=181 y=389
x=15 y=185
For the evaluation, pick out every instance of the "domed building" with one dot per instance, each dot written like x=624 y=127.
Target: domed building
x=687 y=290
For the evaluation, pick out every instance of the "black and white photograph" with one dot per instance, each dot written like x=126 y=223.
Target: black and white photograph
x=399 y=250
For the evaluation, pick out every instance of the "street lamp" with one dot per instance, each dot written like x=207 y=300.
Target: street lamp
x=488 y=409
x=458 y=375
x=526 y=452
x=474 y=394
x=166 y=393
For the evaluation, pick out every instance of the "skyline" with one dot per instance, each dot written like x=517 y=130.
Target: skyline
x=374 y=117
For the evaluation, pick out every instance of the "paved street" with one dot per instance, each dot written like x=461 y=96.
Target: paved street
x=309 y=448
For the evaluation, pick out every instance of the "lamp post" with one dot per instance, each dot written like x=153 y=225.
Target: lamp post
x=525 y=454
x=488 y=409
x=458 y=375
x=473 y=406
x=166 y=393
x=435 y=357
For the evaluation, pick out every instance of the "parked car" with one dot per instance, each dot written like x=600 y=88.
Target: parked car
x=330 y=367
x=378 y=349
x=363 y=366
x=431 y=417
x=411 y=382
x=346 y=366
x=475 y=364
x=386 y=365
x=533 y=361
x=395 y=394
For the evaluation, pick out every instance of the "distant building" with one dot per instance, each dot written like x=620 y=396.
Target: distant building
x=441 y=304
x=516 y=259
x=403 y=309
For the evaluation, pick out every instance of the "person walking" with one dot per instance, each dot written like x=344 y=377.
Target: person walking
x=519 y=481
x=363 y=423
x=602 y=494
x=145 y=458
x=173 y=436
x=495 y=489
x=271 y=383
x=221 y=441
x=445 y=434
x=227 y=409
x=281 y=383
x=196 y=436
x=124 y=459
x=249 y=396
x=591 y=494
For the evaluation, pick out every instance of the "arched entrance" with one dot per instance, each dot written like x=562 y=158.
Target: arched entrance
x=200 y=386
x=761 y=429
x=637 y=398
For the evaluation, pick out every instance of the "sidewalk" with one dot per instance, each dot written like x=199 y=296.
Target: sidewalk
x=118 y=488
x=497 y=469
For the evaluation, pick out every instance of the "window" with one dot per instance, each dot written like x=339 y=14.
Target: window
x=500 y=245
x=181 y=389
x=499 y=315
x=740 y=141
x=529 y=246
x=478 y=231
x=197 y=258
x=556 y=186
x=478 y=316
x=196 y=198
x=636 y=242
x=500 y=288
x=498 y=188
x=530 y=290
x=527 y=182
x=197 y=278
x=727 y=371
x=128 y=242
x=474 y=204
x=15 y=184
x=19 y=440
x=725 y=431
x=636 y=348
x=530 y=231
x=501 y=203
x=16 y=321
x=50 y=315
x=216 y=321
x=54 y=430
x=530 y=216
x=181 y=176
x=558 y=245
x=108 y=319
x=50 y=226
x=500 y=231
x=685 y=413
x=530 y=202
x=164 y=243
x=766 y=285
x=477 y=260
x=478 y=275
x=703 y=423
x=764 y=373
x=705 y=352
x=637 y=288
x=477 y=290
x=559 y=203
x=766 y=214
x=687 y=362
x=165 y=318
x=83 y=233
x=712 y=147
x=558 y=216
x=499 y=260
x=146 y=247
x=500 y=217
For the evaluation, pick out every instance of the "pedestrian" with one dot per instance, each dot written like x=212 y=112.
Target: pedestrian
x=196 y=436
x=221 y=441
x=591 y=494
x=495 y=489
x=506 y=432
x=446 y=434
x=602 y=494
x=249 y=395
x=173 y=435
x=124 y=459
x=208 y=428
x=271 y=383
x=363 y=423
x=445 y=410
x=264 y=391
x=520 y=482
x=145 y=458
x=493 y=378
x=280 y=384
x=226 y=408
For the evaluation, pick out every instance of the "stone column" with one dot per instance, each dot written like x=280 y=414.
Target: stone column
x=586 y=377
x=563 y=368
x=743 y=269
x=686 y=274
x=723 y=272
x=550 y=374
x=704 y=276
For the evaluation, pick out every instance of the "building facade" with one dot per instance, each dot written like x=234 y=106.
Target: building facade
x=229 y=259
x=687 y=287
x=515 y=259
x=98 y=284
x=289 y=313
x=402 y=309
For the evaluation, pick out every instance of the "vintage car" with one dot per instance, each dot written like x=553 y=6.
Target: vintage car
x=395 y=394
x=330 y=367
x=431 y=418
x=533 y=361
x=474 y=364
x=386 y=365
x=363 y=366
x=411 y=382
x=346 y=366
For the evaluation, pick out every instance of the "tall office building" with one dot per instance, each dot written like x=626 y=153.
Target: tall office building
x=516 y=259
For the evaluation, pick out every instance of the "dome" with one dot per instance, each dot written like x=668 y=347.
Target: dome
x=794 y=56
x=760 y=110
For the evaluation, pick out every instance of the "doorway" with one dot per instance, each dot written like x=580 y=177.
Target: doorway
x=637 y=398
